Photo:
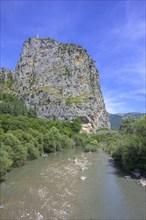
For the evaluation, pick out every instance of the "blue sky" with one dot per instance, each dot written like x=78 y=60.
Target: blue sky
x=113 y=33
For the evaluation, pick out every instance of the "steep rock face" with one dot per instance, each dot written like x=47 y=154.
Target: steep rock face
x=6 y=79
x=61 y=80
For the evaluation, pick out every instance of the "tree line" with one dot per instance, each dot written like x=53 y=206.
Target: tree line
x=24 y=137
x=14 y=105
x=128 y=146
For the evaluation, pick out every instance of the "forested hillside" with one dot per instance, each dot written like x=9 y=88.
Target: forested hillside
x=115 y=119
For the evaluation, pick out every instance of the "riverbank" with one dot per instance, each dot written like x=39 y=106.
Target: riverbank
x=141 y=181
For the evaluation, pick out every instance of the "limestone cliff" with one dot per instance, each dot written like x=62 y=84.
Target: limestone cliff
x=61 y=81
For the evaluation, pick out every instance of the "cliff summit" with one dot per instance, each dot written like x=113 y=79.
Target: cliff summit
x=61 y=81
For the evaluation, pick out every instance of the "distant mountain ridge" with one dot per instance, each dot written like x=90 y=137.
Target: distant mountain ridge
x=115 y=119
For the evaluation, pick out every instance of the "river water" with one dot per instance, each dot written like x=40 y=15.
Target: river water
x=71 y=185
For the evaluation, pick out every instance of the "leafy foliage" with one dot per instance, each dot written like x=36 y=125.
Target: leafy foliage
x=115 y=119
x=14 y=105
x=92 y=146
x=129 y=147
x=80 y=139
x=127 y=125
x=5 y=163
x=76 y=124
x=26 y=138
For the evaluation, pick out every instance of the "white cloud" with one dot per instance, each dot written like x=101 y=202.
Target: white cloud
x=133 y=27
x=131 y=30
x=113 y=105
x=132 y=74
x=117 y=101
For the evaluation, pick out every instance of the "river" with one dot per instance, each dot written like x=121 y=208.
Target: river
x=71 y=185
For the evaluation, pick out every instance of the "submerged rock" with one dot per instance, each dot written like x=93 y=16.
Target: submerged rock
x=142 y=181
x=2 y=206
x=83 y=177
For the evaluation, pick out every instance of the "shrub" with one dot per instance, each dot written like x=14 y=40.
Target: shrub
x=110 y=148
x=92 y=146
x=66 y=142
x=76 y=125
x=130 y=152
x=19 y=156
x=5 y=163
x=127 y=125
x=33 y=152
x=80 y=139
x=14 y=105
x=18 y=153
x=52 y=140
x=7 y=149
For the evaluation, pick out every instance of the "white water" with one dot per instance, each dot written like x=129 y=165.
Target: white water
x=71 y=185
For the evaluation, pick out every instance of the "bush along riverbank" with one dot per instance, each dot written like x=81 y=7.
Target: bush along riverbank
x=128 y=147
x=24 y=136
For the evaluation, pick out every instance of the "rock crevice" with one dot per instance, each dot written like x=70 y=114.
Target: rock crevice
x=61 y=81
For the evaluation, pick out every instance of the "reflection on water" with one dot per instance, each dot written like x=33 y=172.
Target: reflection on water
x=71 y=185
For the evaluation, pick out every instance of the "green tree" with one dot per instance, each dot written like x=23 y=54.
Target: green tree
x=127 y=125
x=5 y=163
x=76 y=124
x=52 y=140
x=80 y=139
x=140 y=128
x=66 y=142
x=19 y=153
x=92 y=146
x=32 y=151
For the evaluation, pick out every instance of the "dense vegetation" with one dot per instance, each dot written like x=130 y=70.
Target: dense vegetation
x=23 y=137
x=116 y=119
x=128 y=147
x=14 y=105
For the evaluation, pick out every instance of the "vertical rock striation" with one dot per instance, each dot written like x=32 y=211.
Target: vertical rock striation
x=61 y=81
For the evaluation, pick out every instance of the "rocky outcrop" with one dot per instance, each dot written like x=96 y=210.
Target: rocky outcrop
x=6 y=79
x=4 y=75
x=87 y=128
x=61 y=81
